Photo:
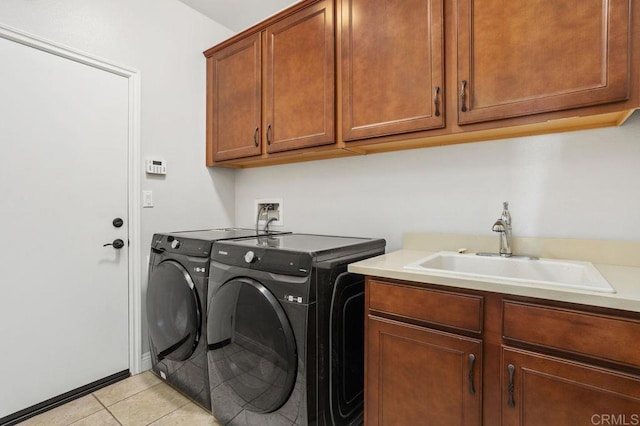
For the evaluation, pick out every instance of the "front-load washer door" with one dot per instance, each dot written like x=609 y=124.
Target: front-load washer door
x=250 y=338
x=173 y=311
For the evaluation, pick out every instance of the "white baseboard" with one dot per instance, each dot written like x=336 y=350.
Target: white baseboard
x=145 y=362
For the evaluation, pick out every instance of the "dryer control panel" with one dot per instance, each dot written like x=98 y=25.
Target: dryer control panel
x=263 y=259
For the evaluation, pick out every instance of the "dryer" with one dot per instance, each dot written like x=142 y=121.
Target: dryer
x=285 y=331
x=176 y=307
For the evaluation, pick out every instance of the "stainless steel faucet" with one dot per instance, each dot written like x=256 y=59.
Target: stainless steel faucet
x=503 y=226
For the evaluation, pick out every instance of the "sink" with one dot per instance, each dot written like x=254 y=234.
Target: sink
x=547 y=272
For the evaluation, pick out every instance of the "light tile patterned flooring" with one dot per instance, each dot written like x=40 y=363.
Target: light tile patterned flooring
x=136 y=401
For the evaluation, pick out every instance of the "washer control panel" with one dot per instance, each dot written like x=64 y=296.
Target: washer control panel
x=185 y=246
x=250 y=257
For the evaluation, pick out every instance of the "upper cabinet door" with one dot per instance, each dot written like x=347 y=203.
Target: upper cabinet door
x=299 y=80
x=524 y=57
x=233 y=96
x=392 y=67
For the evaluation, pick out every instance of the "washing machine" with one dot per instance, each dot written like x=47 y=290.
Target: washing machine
x=285 y=330
x=176 y=307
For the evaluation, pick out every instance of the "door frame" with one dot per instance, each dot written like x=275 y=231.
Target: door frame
x=133 y=171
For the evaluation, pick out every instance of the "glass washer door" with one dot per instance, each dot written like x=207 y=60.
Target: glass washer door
x=173 y=311
x=253 y=344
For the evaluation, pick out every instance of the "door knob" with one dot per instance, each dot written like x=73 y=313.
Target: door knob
x=117 y=244
x=118 y=222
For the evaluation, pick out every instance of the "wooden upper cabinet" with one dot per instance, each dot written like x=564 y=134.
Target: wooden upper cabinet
x=299 y=80
x=233 y=97
x=391 y=67
x=520 y=58
x=331 y=78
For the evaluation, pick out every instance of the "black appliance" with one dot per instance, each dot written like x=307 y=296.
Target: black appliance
x=285 y=330
x=176 y=307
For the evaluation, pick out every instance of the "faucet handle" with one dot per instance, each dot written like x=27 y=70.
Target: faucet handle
x=505 y=205
x=498 y=226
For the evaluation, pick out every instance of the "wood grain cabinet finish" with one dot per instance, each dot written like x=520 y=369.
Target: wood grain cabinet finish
x=535 y=362
x=332 y=78
x=539 y=390
x=451 y=310
x=602 y=337
x=299 y=80
x=273 y=89
x=233 y=100
x=520 y=58
x=392 y=67
x=418 y=376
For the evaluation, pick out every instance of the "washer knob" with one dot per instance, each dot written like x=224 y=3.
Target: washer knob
x=175 y=244
x=249 y=257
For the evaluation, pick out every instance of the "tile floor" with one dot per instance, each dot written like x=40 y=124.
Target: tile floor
x=139 y=400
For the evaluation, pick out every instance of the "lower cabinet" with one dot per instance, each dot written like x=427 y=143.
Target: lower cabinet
x=436 y=355
x=542 y=390
x=419 y=376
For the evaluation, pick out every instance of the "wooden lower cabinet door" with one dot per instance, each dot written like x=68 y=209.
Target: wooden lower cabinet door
x=418 y=376
x=539 y=390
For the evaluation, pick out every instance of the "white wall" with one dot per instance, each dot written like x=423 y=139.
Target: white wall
x=572 y=185
x=164 y=40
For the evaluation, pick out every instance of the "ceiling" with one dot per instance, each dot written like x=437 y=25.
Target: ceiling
x=238 y=15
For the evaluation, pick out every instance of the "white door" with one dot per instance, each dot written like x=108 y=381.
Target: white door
x=63 y=179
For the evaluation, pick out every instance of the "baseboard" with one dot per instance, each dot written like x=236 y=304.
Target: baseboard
x=145 y=362
x=54 y=402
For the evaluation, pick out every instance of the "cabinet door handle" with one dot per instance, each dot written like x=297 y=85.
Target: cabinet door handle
x=255 y=136
x=436 y=100
x=269 y=134
x=511 y=369
x=463 y=96
x=472 y=361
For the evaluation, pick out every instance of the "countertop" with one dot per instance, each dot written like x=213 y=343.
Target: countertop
x=624 y=279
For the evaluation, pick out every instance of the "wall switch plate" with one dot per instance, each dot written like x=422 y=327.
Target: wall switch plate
x=147 y=199
x=269 y=208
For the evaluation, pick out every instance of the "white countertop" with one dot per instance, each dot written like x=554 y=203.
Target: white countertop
x=624 y=279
